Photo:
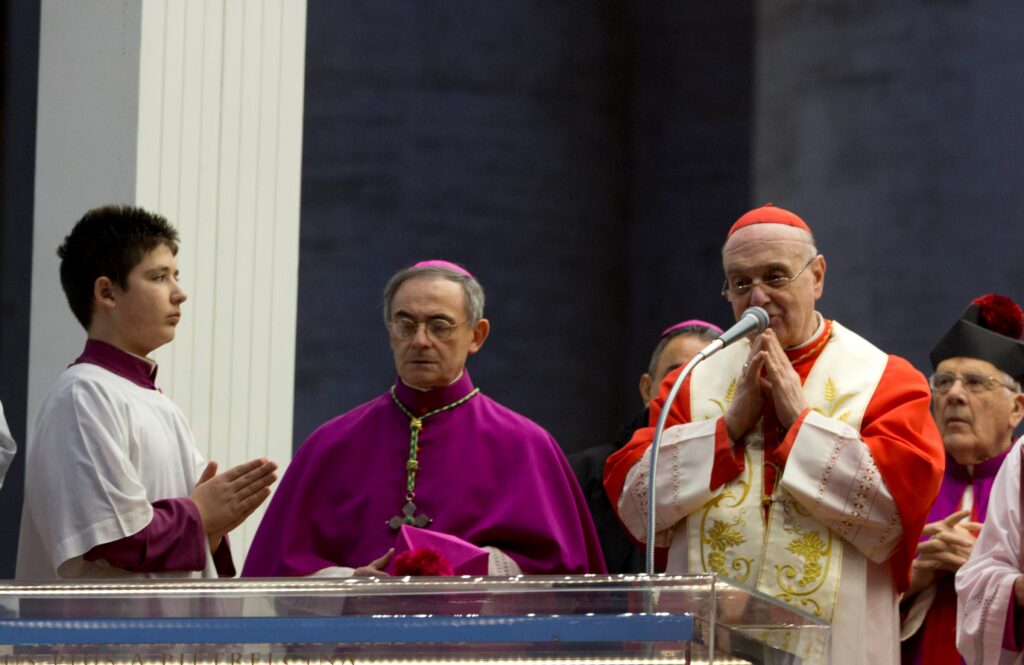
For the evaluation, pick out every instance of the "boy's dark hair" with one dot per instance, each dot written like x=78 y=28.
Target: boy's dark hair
x=108 y=242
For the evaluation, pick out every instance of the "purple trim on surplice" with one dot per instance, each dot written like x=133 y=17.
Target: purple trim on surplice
x=222 y=559
x=956 y=479
x=486 y=475
x=173 y=540
x=122 y=363
x=1010 y=626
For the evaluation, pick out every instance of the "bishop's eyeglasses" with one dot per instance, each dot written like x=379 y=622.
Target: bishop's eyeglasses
x=942 y=382
x=438 y=330
x=774 y=281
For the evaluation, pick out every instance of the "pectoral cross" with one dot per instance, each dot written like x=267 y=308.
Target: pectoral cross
x=408 y=511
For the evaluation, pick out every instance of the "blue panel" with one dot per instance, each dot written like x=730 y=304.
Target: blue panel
x=349 y=630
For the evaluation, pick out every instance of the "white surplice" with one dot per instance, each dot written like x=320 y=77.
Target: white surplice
x=984 y=585
x=103 y=449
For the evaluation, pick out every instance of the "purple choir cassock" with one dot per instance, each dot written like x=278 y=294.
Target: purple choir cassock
x=934 y=641
x=955 y=482
x=486 y=475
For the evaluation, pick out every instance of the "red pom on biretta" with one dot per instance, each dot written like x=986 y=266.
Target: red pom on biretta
x=423 y=561
x=1000 y=314
x=990 y=330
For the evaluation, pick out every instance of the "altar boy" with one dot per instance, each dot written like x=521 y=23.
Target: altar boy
x=114 y=484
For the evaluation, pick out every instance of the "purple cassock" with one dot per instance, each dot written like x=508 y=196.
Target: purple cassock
x=486 y=475
x=955 y=481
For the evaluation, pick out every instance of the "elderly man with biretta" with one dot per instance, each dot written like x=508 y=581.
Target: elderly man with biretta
x=977 y=404
x=801 y=463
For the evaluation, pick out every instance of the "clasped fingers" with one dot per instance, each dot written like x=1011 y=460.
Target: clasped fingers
x=247 y=471
x=228 y=498
x=745 y=408
x=256 y=477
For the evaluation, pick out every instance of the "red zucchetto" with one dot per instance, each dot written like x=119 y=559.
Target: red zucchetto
x=768 y=214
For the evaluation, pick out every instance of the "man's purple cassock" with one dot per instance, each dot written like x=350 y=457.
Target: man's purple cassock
x=955 y=481
x=937 y=636
x=486 y=474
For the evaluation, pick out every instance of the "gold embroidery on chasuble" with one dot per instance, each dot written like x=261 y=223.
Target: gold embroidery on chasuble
x=788 y=555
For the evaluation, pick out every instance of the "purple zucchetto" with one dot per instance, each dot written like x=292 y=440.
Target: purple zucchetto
x=688 y=323
x=439 y=263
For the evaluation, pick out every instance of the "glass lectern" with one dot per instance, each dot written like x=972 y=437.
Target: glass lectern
x=470 y=620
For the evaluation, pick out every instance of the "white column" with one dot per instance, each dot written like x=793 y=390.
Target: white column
x=86 y=130
x=210 y=136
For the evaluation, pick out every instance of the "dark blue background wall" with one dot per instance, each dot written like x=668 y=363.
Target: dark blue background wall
x=581 y=158
x=897 y=130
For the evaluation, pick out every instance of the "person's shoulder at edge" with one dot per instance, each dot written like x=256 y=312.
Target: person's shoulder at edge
x=897 y=364
x=900 y=380
x=901 y=364
x=895 y=361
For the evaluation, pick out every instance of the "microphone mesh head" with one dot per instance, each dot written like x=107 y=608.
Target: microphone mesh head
x=760 y=314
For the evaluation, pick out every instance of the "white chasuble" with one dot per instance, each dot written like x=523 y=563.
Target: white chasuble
x=824 y=546
x=790 y=555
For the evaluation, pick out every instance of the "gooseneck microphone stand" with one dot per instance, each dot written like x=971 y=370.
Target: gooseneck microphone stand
x=753 y=321
x=656 y=446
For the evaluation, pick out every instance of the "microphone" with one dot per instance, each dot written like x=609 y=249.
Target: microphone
x=753 y=321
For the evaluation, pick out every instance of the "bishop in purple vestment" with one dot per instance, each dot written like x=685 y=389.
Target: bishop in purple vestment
x=432 y=452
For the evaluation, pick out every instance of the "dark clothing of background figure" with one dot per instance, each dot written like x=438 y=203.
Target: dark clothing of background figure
x=621 y=554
